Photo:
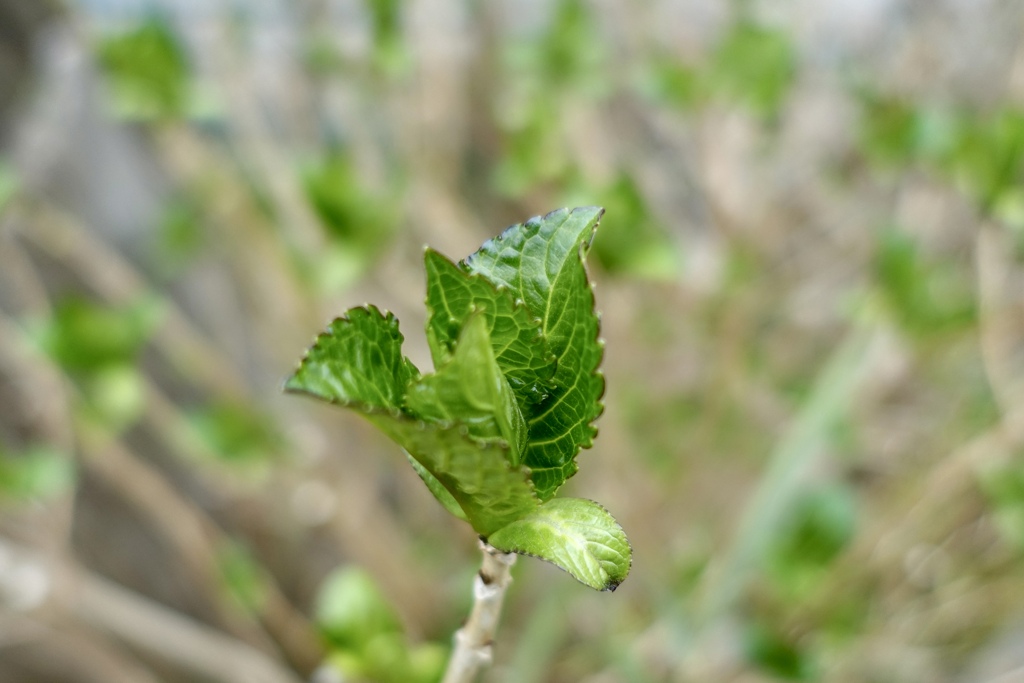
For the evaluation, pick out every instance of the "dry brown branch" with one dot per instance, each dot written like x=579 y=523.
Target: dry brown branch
x=192 y=533
x=61 y=651
x=1001 y=331
x=170 y=636
x=44 y=401
x=146 y=625
x=257 y=142
x=175 y=518
x=117 y=281
x=265 y=271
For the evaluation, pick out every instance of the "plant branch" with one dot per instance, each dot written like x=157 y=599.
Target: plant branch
x=103 y=269
x=171 y=636
x=473 y=641
x=185 y=525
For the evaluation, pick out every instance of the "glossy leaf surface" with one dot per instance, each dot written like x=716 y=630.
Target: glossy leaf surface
x=541 y=262
x=491 y=493
x=574 y=534
x=357 y=362
x=470 y=388
x=494 y=431
x=453 y=294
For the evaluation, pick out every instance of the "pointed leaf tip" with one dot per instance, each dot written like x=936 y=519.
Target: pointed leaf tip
x=495 y=431
x=576 y=535
x=542 y=262
x=454 y=295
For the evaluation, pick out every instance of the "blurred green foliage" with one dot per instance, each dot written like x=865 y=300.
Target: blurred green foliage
x=37 y=473
x=544 y=72
x=358 y=222
x=776 y=654
x=925 y=298
x=238 y=432
x=350 y=609
x=534 y=152
x=752 y=65
x=84 y=336
x=891 y=131
x=8 y=182
x=148 y=72
x=365 y=636
x=704 y=377
x=668 y=80
x=243 y=577
x=634 y=242
x=567 y=55
x=390 y=52
x=99 y=346
x=181 y=235
x=987 y=159
x=981 y=152
x=1003 y=487
x=755 y=66
x=823 y=522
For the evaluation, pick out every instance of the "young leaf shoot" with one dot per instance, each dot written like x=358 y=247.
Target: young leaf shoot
x=494 y=431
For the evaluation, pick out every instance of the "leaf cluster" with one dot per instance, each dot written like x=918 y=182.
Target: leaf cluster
x=495 y=430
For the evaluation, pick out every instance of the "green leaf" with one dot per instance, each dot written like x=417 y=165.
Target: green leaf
x=471 y=389
x=476 y=474
x=574 y=534
x=541 y=261
x=437 y=488
x=357 y=363
x=495 y=430
x=452 y=296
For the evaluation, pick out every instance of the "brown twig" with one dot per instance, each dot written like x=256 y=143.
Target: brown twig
x=111 y=276
x=171 y=636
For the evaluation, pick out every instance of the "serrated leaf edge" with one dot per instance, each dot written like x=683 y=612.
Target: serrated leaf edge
x=582 y=250
x=397 y=413
x=463 y=429
x=609 y=587
x=385 y=315
x=517 y=303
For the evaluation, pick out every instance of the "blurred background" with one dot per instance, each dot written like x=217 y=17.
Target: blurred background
x=811 y=278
